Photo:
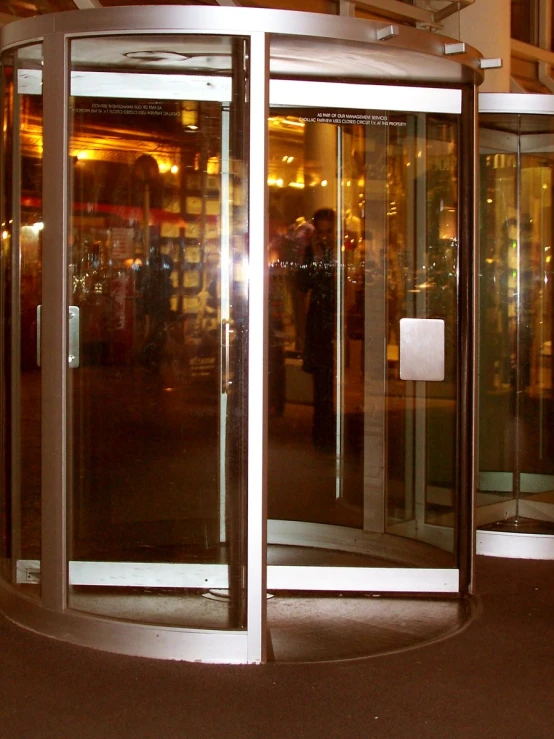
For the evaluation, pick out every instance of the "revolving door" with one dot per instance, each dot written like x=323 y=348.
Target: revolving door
x=237 y=334
x=515 y=512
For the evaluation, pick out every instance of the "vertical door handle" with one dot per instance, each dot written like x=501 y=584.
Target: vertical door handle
x=225 y=358
x=73 y=355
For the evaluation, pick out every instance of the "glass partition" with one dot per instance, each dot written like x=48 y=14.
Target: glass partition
x=21 y=292
x=363 y=234
x=516 y=481
x=158 y=300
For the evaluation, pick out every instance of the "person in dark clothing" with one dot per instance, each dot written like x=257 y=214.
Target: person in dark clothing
x=317 y=276
x=156 y=289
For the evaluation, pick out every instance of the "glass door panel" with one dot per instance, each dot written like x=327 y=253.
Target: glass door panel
x=363 y=235
x=157 y=292
x=21 y=289
x=516 y=480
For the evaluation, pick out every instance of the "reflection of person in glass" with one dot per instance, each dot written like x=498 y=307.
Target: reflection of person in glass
x=317 y=276
x=156 y=295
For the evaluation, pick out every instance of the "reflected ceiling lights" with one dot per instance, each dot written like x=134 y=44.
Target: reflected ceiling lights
x=156 y=56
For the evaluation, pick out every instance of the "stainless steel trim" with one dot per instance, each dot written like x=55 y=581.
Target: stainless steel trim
x=217 y=20
x=525 y=103
x=15 y=337
x=54 y=326
x=365 y=97
x=257 y=347
x=140 y=640
x=515 y=545
x=279 y=577
x=360 y=579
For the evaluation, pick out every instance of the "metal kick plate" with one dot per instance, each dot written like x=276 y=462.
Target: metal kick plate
x=422 y=349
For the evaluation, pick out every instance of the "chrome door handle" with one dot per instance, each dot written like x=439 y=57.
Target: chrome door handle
x=73 y=357
x=225 y=356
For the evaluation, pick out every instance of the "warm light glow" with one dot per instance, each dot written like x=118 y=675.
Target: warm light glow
x=83 y=155
x=5 y=234
x=174 y=169
x=324 y=183
x=489 y=200
x=299 y=185
x=212 y=165
x=38 y=226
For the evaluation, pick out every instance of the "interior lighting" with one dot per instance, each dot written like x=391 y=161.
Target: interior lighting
x=82 y=155
x=290 y=160
x=545 y=187
x=174 y=169
x=288 y=122
x=489 y=200
x=298 y=185
x=324 y=183
x=212 y=165
x=5 y=234
x=38 y=226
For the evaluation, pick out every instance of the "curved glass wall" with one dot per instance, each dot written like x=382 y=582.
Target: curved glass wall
x=336 y=316
x=516 y=451
x=235 y=328
x=21 y=295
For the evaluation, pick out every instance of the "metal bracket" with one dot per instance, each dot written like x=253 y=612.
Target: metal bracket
x=490 y=63
x=387 y=32
x=457 y=48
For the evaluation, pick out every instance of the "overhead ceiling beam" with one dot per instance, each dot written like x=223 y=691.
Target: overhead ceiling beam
x=403 y=11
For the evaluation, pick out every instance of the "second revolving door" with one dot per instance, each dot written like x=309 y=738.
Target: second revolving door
x=363 y=398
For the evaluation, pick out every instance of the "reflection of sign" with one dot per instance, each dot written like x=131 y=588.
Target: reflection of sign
x=202 y=366
x=126 y=107
x=122 y=243
x=351 y=117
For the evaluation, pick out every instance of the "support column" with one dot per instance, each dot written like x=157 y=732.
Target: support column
x=486 y=26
